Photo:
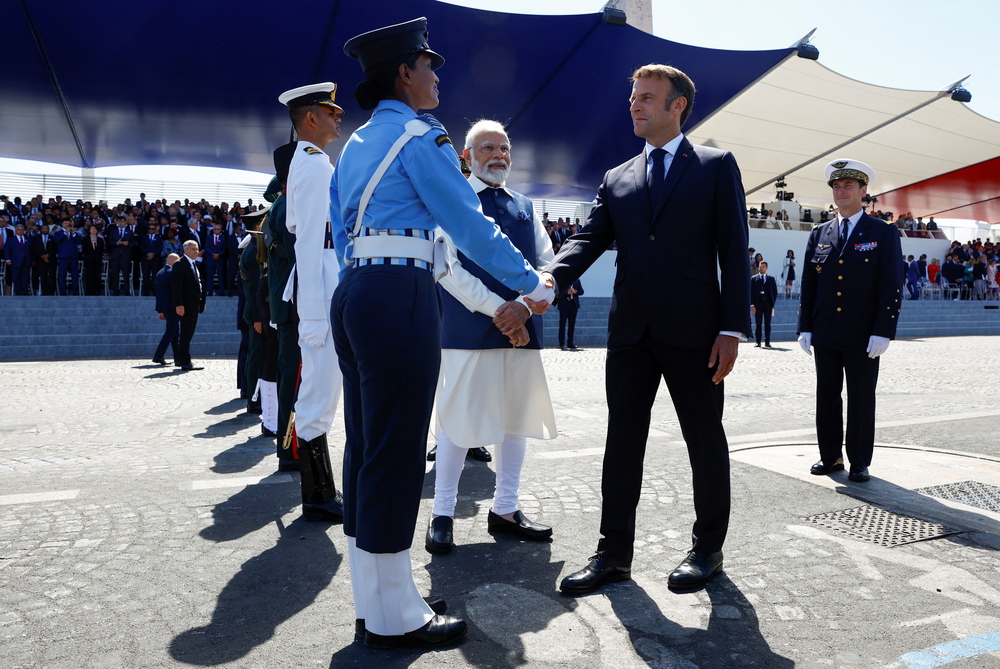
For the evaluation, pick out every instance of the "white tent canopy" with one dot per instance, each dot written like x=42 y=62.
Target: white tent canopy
x=801 y=115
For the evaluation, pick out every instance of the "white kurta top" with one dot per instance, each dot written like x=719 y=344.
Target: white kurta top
x=484 y=395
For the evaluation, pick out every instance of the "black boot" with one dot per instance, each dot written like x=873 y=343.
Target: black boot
x=320 y=499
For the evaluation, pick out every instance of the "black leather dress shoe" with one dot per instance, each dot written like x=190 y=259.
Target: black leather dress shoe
x=159 y=361
x=859 y=474
x=328 y=512
x=288 y=465
x=602 y=569
x=519 y=527
x=266 y=432
x=254 y=408
x=437 y=604
x=757 y=345
x=432 y=454
x=439 y=535
x=440 y=631
x=822 y=469
x=696 y=569
x=480 y=454
x=190 y=368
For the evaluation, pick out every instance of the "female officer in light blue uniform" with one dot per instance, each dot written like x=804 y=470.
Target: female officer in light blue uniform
x=401 y=173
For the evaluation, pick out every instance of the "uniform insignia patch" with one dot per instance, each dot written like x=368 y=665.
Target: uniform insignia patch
x=841 y=164
x=823 y=246
x=441 y=140
x=310 y=150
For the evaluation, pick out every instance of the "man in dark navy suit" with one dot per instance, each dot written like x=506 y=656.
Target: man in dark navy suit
x=763 y=295
x=215 y=260
x=150 y=248
x=68 y=257
x=119 y=241
x=43 y=254
x=189 y=301
x=166 y=307
x=849 y=309
x=669 y=318
x=569 y=306
x=17 y=252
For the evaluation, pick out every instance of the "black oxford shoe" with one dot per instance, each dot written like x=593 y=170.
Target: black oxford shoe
x=822 y=469
x=480 y=454
x=160 y=361
x=439 y=535
x=328 y=512
x=432 y=454
x=519 y=527
x=440 y=631
x=859 y=474
x=696 y=569
x=602 y=569
x=437 y=605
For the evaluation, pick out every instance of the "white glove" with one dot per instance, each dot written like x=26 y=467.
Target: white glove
x=877 y=346
x=806 y=341
x=273 y=325
x=313 y=333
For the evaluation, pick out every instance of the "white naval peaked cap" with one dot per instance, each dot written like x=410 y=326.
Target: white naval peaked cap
x=845 y=168
x=314 y=94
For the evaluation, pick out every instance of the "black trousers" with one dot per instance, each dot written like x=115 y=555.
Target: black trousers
x=632 y=378
x=149 y=270
x=387 y=329
x=189 y=321
x=170 y=334
x=765 y=314
x=118 y=270
x=289 y=357
x=567 y=316
x=861 y=371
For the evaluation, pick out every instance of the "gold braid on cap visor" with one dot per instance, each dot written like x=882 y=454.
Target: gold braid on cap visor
x=848 y=174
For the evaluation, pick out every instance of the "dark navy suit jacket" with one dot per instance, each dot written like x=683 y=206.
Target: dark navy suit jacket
x=851 y=293
x=768 y=285
x=164 y=290
x=669 y=253
x=18 y=255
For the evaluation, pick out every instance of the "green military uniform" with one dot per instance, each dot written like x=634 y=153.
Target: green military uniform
x=281 y=259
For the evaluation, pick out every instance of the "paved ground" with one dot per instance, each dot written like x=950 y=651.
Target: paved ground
x=142 y=525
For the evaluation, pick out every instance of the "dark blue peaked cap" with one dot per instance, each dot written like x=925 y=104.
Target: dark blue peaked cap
x=375 y=47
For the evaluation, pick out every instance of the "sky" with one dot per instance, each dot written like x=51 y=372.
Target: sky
x=912 y=44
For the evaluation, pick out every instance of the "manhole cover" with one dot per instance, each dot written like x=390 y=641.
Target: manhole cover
x=885 y=528
x=973 y=493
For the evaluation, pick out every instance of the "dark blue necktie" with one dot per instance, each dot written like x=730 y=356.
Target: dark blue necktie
x=656 y=176
x=843 y=233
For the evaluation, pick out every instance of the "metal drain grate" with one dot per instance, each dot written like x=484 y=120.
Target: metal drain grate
x=973 y=493
x=878 y=526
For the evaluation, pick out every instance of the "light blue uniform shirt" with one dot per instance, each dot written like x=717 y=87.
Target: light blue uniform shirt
x=422 y=189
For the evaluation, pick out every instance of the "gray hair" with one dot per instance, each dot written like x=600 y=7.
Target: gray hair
x=483 y=125
x=190 y=242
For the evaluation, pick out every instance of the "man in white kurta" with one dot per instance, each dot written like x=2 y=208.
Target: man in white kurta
x=313 y=280
x=490 y=390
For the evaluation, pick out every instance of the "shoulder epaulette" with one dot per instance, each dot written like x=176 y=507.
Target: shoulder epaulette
x=441 y=140
x=311 y=150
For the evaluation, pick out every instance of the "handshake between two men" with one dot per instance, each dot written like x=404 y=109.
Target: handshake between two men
x=512 y=315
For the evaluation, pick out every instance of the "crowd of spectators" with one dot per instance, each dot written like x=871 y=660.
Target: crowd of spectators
x=969 y=272
x=47 y=246
x=561 y=230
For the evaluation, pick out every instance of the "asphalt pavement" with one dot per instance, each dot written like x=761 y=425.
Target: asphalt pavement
x=143 y=523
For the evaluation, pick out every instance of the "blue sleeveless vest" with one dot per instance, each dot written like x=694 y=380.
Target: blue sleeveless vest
x=464 y=329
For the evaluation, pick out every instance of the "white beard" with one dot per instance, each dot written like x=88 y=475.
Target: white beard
x=491 y=175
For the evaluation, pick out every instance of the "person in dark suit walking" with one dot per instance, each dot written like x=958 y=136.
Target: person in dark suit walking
x=17 y=252
x=763 y=295
x=166 y=307
x=189 y=301
x=851 y=287
x=672 y=195
x=569 y=306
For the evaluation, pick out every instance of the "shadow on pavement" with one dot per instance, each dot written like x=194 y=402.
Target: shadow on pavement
x=269 y=589
x=244 y=456
x=229 y=426
x=732 y=639
x=252 y=508
x=176 y=371
x=230 y=406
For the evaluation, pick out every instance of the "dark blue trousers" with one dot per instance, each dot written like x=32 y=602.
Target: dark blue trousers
x=861 y=371
x=170 y=335
x=72 y=267
x=387 y=329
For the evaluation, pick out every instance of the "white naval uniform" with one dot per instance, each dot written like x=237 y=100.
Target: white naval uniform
x=316 y=274
x=489 y=396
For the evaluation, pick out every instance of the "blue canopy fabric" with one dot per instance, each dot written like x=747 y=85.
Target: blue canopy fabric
x=178 y=82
